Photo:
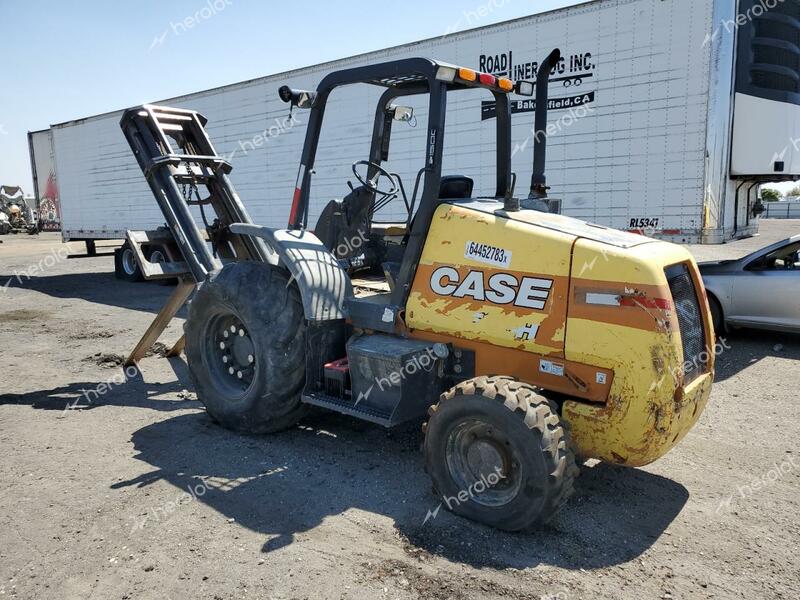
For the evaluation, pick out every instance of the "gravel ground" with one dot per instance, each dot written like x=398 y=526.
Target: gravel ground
x=115 y=489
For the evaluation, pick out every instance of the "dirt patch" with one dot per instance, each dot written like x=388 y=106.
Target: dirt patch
x=106 y=360
x=158 y=349
x=92 y=335
x=22 y=315
x=111 y=359
x=433 y=586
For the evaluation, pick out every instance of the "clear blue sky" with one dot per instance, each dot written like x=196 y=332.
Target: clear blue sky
x=66 y=60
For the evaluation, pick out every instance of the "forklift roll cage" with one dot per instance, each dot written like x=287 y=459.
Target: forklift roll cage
x=173 y=150
x=408 y=77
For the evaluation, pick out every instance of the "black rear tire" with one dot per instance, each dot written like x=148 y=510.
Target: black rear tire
x=245 y=347
x=500 y=426
x=125 y=266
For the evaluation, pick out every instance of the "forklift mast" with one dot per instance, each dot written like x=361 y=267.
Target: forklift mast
x=178 y=159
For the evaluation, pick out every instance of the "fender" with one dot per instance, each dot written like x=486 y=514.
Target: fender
x=324 y=285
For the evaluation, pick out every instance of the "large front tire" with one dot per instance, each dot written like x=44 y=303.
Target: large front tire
x=245 y=346
x=498 y=453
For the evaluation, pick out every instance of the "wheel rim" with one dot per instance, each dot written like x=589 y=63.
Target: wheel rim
x=129 y=262
x=482 y=463
x=157 y=257
x=229 y=354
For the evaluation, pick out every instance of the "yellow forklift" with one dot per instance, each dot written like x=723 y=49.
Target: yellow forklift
x=526 y=337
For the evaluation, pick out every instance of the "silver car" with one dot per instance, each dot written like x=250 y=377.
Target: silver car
x=761 y=290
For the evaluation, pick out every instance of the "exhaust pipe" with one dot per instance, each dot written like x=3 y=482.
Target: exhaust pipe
x=538 y=179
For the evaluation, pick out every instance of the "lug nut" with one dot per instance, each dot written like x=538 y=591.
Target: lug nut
x=222 y=345
x=251 y=359
x=241 y=333
x=231 y=370
x=225 y=359
x=239 y=374
x=225 y=334
x=233 y=328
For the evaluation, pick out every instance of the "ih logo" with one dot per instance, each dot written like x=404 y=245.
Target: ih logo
x=501 y=288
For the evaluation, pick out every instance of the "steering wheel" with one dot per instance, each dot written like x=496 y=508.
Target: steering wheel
x=372 y=184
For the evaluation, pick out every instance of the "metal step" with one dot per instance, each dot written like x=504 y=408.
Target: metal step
x=347 y=407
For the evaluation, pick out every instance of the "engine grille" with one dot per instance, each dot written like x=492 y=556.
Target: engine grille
x=690 y=321
x=770 y=45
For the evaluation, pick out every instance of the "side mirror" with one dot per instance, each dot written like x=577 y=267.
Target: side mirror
x=298 y=98
x=404 y=114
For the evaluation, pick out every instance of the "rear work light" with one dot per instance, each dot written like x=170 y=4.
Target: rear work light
x=524 y=88
x=446 y=74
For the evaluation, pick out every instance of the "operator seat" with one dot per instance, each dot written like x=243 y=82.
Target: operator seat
x=345 y=220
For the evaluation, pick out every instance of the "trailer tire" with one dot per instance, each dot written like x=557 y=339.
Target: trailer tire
x=125 y=266
x=159 y=254
x=503 y=426
x=245 y=347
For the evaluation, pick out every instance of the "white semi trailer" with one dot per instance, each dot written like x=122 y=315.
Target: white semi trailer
x=665 y=118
